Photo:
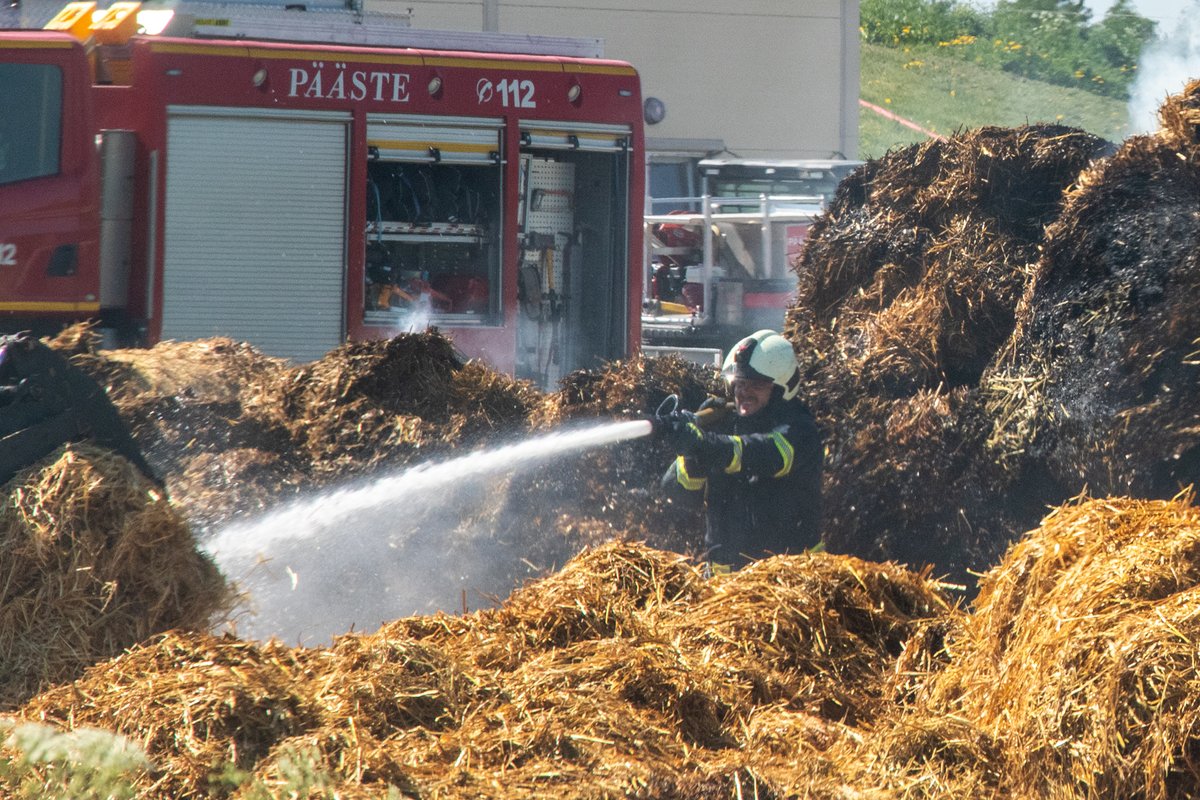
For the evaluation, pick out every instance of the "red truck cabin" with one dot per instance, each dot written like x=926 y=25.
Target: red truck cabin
x=49 y=180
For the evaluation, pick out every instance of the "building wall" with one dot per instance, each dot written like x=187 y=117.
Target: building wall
x=770 y=78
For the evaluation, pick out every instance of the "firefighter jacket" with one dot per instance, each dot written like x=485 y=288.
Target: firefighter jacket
x=760 y=477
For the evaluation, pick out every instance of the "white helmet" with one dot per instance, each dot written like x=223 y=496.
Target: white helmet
x=765 y=356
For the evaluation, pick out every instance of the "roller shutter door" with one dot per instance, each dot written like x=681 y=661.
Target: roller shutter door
x=255 y=236
x=583 y=137
x=413 y=137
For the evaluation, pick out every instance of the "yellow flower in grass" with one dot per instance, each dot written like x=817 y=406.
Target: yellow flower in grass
x=958 y=41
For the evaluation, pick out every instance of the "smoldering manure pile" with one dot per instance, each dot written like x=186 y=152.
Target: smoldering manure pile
x=980 y=345
x=977 y=344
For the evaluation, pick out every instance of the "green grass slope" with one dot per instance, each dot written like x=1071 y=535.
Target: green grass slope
x=944 y=94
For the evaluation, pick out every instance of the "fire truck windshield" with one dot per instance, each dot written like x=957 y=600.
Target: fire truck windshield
x=31 y=123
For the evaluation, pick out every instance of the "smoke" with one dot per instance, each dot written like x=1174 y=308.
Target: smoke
x=418 y=319
x=1167 y=64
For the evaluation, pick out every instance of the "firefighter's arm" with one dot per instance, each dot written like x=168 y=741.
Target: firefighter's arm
x=705 y=453
x=765 y=455
x=686 y=434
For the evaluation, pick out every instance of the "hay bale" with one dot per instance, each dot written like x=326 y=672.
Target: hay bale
x=911 y=278
x=337 y=761
x=194 y=410
x=601 y=594
x=685 y=694
x=388 y=683
x=375 y=403
x=597 y=594
x=1097 y=387
x=217 y=370
x=815 y=631
x=593 y=703
x=624 y=674
x=490 y=401
x=902 y=483
x=1078 y=665
x=908 y=290
x=653 y=692
x=234 y=432
x=95 y=560
x=368 y=401
x=1179 y=118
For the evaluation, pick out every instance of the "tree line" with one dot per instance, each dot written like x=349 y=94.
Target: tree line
x=1055 y=41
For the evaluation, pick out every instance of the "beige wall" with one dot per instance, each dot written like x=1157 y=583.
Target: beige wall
x=771 y=78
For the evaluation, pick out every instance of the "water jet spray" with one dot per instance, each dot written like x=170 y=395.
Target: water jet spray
x=318 y=567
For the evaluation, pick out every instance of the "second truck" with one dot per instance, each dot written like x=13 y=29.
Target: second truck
x=719 y=265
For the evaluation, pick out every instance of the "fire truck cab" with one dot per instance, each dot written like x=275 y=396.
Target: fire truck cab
x=294 y=195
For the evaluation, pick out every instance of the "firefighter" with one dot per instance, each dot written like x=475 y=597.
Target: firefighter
x=757 y=468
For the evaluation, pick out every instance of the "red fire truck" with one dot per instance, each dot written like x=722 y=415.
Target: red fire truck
x=295 y=195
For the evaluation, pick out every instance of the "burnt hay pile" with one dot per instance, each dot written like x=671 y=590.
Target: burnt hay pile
x=911 y=279
x=979 y=345
x=366 y=403
x=190 y=408
x=233 y=432
x=1098 y=385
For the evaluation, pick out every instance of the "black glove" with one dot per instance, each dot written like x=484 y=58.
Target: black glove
x=660 y=424
x=677 y=427
x=683 y=435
